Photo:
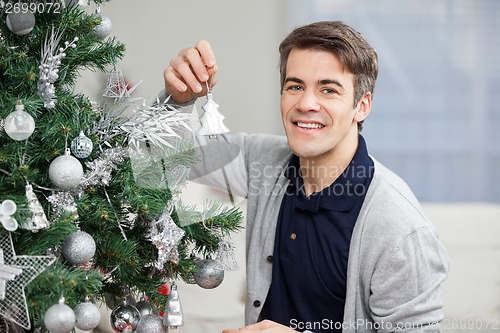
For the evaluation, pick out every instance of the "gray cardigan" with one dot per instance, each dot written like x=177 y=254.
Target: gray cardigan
x=396 y=261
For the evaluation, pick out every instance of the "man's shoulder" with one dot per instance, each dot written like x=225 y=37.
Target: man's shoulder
x=391 y=203
x=268 y=148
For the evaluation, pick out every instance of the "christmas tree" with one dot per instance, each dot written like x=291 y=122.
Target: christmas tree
x=90 y=192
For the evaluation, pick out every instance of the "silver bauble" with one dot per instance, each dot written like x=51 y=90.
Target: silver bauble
x=19 y=125
x=151 y=323
x=20 y=23
x=65 y=171
x=125 y=318
x=145 y=307
x=59 y=318
x=81 y=146
x=208 y=274
x=78 y=248
x=87 y=316
x=104 y=29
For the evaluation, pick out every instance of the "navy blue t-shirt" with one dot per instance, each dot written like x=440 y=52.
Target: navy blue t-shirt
x=313 y=235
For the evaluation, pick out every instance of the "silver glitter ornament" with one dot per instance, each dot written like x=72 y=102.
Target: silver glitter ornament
x=87 y=316
x=151 y=323
x=173 y=316
x=208 y=274
x=59 y=318
x=125 y=318
x=104 y=28
x=145 y=307
x=65 y=171
x=81 y=146
x=20 y=23
x=78 y=248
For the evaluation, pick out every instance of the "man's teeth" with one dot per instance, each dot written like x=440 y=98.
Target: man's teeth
x=309 y=125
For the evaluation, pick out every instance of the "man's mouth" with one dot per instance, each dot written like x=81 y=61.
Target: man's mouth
x=308 y=125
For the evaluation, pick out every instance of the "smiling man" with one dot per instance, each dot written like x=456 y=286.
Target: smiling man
x=335 y=241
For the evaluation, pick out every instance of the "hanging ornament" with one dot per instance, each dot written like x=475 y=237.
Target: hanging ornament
x=173 y=317
x=208 y=274
x=226 y=257
x=145 y=307
x=59 y=318
x=78 y=248
x=103 y=29
x=116 y=87
x=7 y=209
x=211 y=120
x=166 y=236
x=124 y=297
x=65 y=171
x=151 y=323
x=81 y=146
x=38 y=220
x=13 y=306
x=49 y=66
x=87 y=315
x=19 y=124
x=20 y=23
x=125 y=318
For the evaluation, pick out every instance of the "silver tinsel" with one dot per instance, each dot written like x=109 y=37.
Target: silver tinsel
x=159 y=125
x=62 y=202
x=166 y=236
x=99 y=170
x=208 y=274
x=39 y=220
x=173 y=317
x=49 y=66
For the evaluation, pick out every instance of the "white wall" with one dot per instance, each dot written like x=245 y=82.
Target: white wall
x=244 y=34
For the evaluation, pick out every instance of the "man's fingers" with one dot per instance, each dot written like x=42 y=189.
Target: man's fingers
x=173 y=79
x=206 y=53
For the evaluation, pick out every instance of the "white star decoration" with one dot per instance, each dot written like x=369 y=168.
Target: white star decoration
x=13 y=304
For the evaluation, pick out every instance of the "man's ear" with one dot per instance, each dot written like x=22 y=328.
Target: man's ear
x=364 y=107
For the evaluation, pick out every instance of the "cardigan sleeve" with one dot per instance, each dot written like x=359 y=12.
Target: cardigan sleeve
x=405 y=287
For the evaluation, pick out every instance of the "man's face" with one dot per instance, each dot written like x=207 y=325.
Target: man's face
x=317 y=109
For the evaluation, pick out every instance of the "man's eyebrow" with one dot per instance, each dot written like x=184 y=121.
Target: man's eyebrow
x=293 y=79
x=321 y=82
x=329 y=81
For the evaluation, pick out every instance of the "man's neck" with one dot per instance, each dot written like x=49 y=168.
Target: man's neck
x=320 y=172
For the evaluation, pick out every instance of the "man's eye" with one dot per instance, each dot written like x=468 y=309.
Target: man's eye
x=294 y=88
x=329 y=91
